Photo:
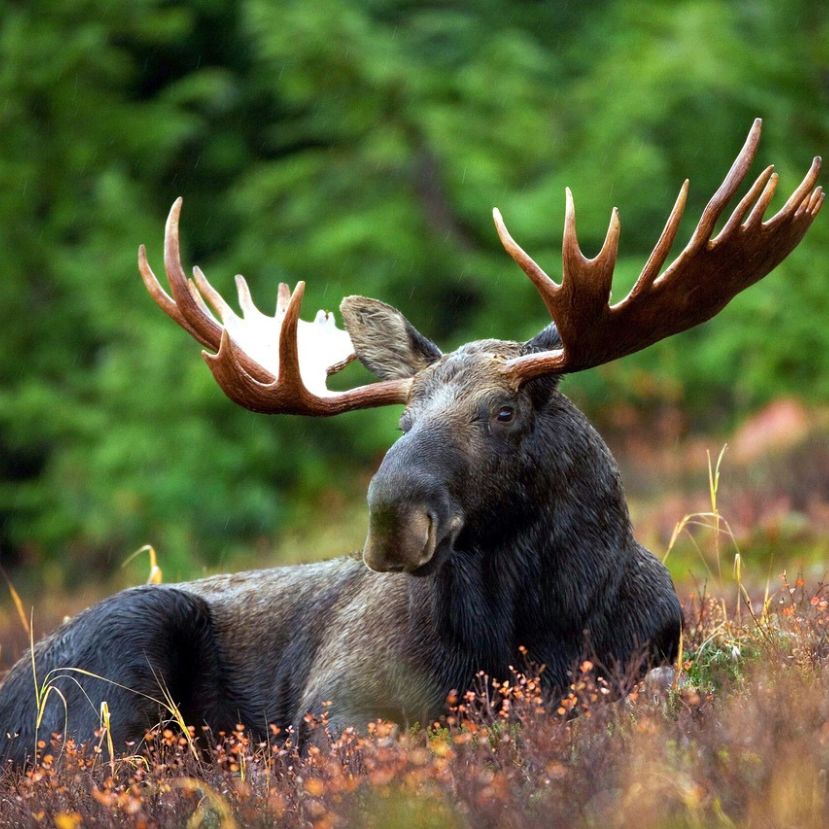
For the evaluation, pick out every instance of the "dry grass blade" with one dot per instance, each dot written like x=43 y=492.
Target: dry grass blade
x=155 y=575
x=18 y=604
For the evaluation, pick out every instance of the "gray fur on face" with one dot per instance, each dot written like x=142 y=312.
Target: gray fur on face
x=534 y=549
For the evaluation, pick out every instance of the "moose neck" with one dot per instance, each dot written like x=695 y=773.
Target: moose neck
x=544 y=565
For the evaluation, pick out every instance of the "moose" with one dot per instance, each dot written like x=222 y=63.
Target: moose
x=497 y=521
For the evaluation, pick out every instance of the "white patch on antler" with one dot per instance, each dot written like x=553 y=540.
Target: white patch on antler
x=322 y=347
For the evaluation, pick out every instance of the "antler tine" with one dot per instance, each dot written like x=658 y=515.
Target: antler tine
x=699 y=283
x=209 y=293
x=209 y=331
x=197 y=297
x=760 y=207
x=816 y=201
x=663 y=246
x=288 y=340
x=283 y=297
x=610 y=247
x=162 y=298
x=246 y=302
x=796 y=198
x=744 y=204
x=570 y=249
x=201 y=289
x=545 y=285
x=728 y=188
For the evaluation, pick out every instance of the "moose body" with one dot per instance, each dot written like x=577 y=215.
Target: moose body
x=497 y=521
x=547 y=561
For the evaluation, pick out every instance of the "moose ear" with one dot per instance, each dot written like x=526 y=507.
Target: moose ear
x=548 y=339
x=387 y=344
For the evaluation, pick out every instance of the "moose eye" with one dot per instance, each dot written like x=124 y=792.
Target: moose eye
x=505 y=414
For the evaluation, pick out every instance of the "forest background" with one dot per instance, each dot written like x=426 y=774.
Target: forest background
x=361 y=146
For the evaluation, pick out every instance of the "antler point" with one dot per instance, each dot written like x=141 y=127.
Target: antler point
x=501 y=229
x=569 y=208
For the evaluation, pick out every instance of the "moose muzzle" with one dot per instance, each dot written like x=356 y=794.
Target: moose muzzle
x=414 y=518
x=410 y=524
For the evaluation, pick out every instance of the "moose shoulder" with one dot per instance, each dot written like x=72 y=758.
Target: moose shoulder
x=497 y=520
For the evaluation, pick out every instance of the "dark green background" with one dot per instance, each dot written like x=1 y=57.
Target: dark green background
x=359 y=146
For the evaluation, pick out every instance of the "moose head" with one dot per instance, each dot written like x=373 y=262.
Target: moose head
x=474 y=418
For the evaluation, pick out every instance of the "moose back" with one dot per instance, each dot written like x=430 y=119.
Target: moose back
x=496 y=522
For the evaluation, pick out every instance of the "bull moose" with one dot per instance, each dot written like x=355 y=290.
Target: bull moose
x=497 y=520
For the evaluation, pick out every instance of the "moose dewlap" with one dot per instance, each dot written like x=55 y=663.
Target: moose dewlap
x=497 y=521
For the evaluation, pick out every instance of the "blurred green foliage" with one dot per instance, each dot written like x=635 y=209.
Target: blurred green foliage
x=360 y=146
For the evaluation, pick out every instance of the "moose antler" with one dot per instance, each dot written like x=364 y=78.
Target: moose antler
x=275 y=364
x=705 y=276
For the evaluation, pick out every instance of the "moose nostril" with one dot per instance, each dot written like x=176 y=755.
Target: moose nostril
x=431 y=523
x=422 y=525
